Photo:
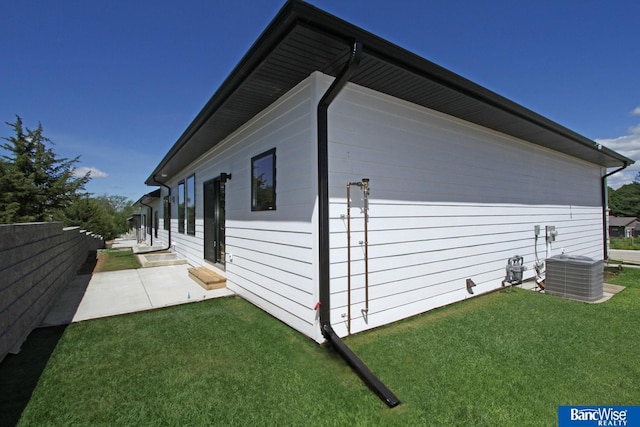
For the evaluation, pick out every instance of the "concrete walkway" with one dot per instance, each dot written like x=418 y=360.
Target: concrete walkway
x=126 y=291
x=625 y=256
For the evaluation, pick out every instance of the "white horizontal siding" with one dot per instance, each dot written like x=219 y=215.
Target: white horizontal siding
x=269 y=254
x=449 y=201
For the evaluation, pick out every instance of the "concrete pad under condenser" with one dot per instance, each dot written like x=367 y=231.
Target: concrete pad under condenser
x=609 y=291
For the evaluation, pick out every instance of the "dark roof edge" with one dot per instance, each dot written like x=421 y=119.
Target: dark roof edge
x=394 y=54
x=279 y=26
x=294 y=11
x=155 y=194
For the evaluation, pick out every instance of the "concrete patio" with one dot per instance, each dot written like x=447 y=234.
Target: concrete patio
x=126 y=291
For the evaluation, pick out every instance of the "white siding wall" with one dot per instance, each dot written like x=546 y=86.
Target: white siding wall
x=270 y=257
x=449 y=201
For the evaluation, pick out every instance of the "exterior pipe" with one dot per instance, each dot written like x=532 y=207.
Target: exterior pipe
x=349 y=258
x=364 y=184
x=365 y=190
x=605 y=231
x=151 y=219
x=323 y=232
x=169 y=230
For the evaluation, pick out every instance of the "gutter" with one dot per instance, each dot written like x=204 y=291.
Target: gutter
x=603 y=188
x=323 y=230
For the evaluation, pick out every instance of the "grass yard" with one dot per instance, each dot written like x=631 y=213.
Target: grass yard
x=116 y=259
x=631 y=243
x=504 y=359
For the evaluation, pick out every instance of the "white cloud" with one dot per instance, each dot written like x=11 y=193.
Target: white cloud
x=628 y=146
x=636 y=111
x=95 y=172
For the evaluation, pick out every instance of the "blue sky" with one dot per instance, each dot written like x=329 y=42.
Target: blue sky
x=117 y=82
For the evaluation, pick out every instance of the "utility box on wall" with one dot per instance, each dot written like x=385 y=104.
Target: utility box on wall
x=574 y=277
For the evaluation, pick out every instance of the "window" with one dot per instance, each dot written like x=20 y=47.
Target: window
x=191 y=205
x=181 y=197
x=263 y=181
x=166 y=211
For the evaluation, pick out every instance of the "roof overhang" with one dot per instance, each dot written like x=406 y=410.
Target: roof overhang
x=302 y=39
x=148 y=198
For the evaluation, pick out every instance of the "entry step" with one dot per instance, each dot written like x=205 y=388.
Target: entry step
x=207 y=278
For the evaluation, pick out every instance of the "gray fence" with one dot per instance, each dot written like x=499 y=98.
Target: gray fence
x=36 y=261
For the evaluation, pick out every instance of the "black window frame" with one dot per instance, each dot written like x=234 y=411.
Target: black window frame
x=166 y=213
x=267 y=203
x=181 y=206
x=190 y=204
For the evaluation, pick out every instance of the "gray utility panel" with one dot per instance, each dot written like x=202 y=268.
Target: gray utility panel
x=575 y=277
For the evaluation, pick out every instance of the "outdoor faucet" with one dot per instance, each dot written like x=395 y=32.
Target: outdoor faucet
x=365 y=190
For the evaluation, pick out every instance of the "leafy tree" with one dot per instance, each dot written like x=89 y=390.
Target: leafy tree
x=120 y=208
x=625 y=201
x=34 y=181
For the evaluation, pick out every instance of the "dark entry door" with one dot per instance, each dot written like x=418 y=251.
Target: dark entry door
x=214 y=220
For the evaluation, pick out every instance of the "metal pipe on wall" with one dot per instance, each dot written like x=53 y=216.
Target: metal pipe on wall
x=603 y=190
x=349 y=258
x=151 y=218
x=365 y=190
x=162 y=184
x=364 y=184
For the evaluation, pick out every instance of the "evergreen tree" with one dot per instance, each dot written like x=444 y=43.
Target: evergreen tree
x=34 y=181
x=89 y=214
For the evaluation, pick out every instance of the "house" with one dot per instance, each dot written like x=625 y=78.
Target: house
x=148 y=219
x=340 y=182
x=623 y=226
x=134 y=222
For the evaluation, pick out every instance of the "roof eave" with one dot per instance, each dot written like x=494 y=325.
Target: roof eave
x=296 y=12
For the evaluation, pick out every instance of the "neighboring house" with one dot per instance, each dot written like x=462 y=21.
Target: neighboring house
x=620 y=226
x=134 y=222
x=447 y=181
x=148 y=231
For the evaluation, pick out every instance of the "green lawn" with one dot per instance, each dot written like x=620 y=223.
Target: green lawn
x=508 y=358
x=631 y=243
x=116 y=259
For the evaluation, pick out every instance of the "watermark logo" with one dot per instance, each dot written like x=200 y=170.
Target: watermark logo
x=574 y=416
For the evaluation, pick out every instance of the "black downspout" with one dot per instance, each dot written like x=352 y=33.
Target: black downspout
x=603 y=187
x=150 y=219
x=169 y=230
x=323 y=229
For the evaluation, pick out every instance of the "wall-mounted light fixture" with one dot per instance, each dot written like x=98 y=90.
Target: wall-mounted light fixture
x=224 y=177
